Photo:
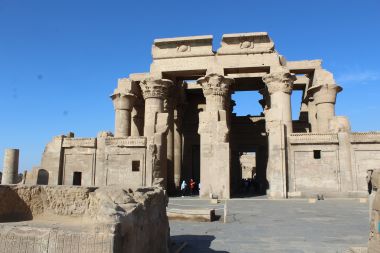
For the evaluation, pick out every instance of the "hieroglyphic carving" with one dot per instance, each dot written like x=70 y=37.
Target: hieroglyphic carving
x=126 y=142
x=310 y=138
x=79 y=142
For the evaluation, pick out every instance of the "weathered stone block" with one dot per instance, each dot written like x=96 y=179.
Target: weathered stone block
x=82 y=219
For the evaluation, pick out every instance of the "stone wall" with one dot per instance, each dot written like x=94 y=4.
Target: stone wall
x=82 y=219
x=94 y=161
x=333 y=164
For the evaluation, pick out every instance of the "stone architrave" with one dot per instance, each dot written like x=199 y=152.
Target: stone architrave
x=278 y=117
x=123 y=99
x=214 y=131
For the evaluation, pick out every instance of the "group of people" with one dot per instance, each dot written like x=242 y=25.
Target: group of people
x=251 y=186
x=190 y=188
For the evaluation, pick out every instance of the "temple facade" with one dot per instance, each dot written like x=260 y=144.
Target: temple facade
x=176 y=122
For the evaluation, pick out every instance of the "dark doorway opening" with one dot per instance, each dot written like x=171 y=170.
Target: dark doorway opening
x=196 y=168
x=43 y=177
x=77 y=178
x=248 y=171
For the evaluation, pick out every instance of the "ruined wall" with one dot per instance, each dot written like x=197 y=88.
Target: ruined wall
x=332 y=164
x=82 y=219
x=365 y=156
x=94 y=161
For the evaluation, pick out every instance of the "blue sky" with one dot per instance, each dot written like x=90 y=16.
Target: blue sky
x=60 y=59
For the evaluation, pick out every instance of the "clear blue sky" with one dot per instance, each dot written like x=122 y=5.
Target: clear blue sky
x=60 y=59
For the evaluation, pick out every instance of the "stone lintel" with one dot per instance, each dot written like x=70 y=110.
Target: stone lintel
x=247 y=75
x=246 y=43
x=301 y=80
x=182 y=47
x=303 y=67
x=138 y=77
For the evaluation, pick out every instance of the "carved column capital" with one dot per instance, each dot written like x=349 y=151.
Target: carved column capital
x=124 y=95
x=215 y=84
x=155 y=88
x=122 y=99
x=279 y=81
x=325 y=93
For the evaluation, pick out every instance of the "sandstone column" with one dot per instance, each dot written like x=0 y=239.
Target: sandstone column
x=169 y=108
x=123 y=99
x=324 y=99
x=279 y=85
x=214 y=131
x=155 y=91
x=10 y=168
x=180 y=103
x=137 y=126
x=177 y=147
x=312 y=112
x=278 y=119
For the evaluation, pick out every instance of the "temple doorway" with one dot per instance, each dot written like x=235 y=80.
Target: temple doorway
x=77 y=178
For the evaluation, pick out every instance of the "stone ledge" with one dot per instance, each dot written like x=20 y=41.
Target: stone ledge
x=365 y=137
x=313 y=138
x=206 y=215
x=79 y=142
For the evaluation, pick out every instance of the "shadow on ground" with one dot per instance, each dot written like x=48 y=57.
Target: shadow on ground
x=196 y=243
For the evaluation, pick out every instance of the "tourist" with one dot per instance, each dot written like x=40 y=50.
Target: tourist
x=183 y=187
x=192 y=186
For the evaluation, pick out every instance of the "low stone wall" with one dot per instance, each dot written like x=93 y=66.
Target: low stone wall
x=82 y=219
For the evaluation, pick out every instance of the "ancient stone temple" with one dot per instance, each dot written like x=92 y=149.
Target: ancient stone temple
x=176 y=122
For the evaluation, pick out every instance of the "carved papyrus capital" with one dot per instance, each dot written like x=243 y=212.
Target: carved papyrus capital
x=155 y=88
x=279 y=81
x=124 y=95
x=123 y=100
x=325 y=93
x=215 y=84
